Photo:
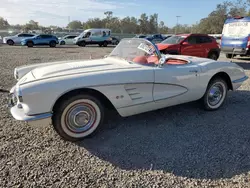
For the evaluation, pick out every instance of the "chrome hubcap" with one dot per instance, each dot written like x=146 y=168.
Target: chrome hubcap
x=215 y=94
x=80 y=118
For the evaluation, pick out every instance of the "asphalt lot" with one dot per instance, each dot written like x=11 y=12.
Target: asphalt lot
x=180 y=146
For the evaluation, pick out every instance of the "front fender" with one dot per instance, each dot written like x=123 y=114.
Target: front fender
x=41 y=95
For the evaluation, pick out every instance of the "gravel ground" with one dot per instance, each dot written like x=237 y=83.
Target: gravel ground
x=181 y=146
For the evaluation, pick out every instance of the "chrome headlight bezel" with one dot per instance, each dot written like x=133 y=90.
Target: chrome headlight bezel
x=16 y=76
x=18 y=94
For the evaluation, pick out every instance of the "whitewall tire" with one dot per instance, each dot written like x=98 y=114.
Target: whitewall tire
x=215 y=95
x=78 y=117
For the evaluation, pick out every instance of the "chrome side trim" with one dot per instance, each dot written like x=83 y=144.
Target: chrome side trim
x=240 y=80
x=19 y=114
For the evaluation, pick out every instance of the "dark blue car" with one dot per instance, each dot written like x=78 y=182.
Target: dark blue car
x=156 y=38
x=41 y=40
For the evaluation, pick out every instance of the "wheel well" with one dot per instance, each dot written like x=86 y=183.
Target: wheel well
x=225 y=77
x=213 y=51
x=103 y=99
x=10 y=40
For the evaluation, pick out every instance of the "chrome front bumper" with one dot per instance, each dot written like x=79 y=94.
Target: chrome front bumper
x=237 y=83
x=18 y=113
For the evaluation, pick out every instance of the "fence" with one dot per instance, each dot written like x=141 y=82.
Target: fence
x=4 y=33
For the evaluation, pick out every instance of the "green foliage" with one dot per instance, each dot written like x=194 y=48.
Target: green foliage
x=3 y=23
x=75 y=25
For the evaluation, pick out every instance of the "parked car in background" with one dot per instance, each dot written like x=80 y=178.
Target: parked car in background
x=115 y=41
x=16 y=39
x=134 y=78
x=200 y=45
x=156 y=38
x=140 y=36
x=99 y=36
x=41 y=40
x=68 y=39
x=235 y=38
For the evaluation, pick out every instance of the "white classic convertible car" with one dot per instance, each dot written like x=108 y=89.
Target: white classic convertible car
x=134 y=78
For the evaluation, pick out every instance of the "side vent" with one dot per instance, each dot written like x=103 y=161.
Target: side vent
x=133 y=92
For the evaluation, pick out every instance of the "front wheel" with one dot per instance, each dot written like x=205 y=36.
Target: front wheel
x=82 y=44
x=215 y=95
x=105 y=44
x=78 y=117
x=62 y=43
x=213 y=55
x=10 y=42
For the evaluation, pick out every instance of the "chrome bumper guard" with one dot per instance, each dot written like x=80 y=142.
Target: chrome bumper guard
x=19 y=114
x=240 y=80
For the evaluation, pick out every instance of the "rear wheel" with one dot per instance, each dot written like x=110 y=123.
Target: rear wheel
x=213 y=55
x=215 y=95
x=78 y=117
x=229 y=56
x=10 y=42
x=52 y=44
x=30 y=44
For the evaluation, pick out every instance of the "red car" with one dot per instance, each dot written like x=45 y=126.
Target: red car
x=200 y=45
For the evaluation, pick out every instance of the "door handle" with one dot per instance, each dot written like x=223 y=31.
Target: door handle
x=195 y=71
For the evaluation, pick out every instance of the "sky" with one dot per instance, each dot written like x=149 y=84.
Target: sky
x=57 y=12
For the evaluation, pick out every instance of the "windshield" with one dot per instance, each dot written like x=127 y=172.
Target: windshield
x=236 y=29
x=173 y=39
x=83 y=34
x=136 y=50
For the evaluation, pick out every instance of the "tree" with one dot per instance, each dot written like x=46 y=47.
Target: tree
x=143 y=23
x=75 y=25
x=3 y=23
x=214 y=22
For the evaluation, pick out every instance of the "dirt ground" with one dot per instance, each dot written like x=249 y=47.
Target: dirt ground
x=181 y=146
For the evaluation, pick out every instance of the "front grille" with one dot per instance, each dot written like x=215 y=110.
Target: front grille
x=12 y=100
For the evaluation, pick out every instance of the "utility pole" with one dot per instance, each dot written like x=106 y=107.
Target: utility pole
x=69 y=21
x=177 y=23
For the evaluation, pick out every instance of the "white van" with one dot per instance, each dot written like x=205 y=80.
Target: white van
x=99 y=36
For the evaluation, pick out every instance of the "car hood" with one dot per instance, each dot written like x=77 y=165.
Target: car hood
x=81 y=67
x=162 y=46
x=8 y=37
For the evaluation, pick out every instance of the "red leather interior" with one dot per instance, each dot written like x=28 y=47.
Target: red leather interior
x=140 y=59
x=176 y=62
x=154 y=59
